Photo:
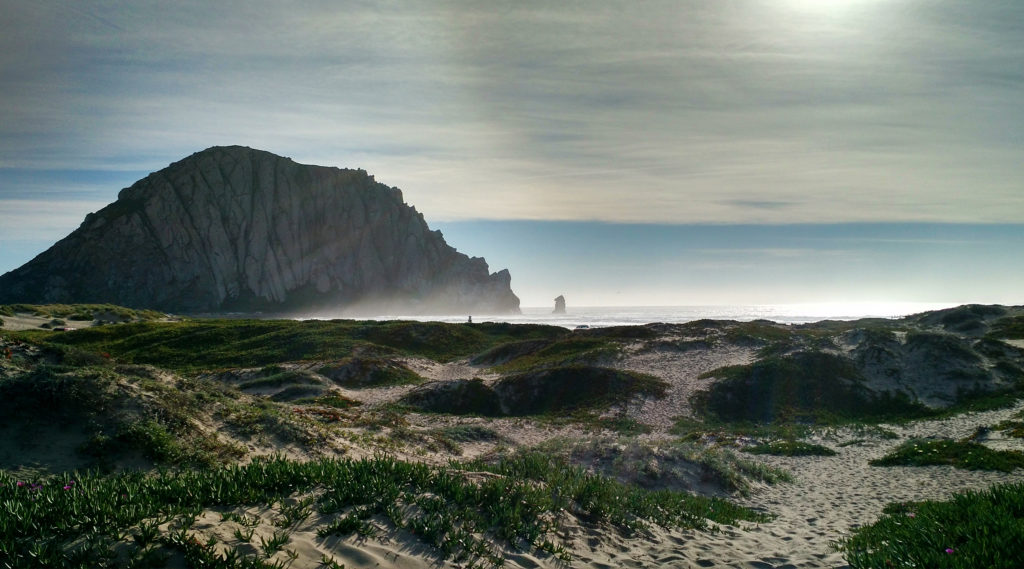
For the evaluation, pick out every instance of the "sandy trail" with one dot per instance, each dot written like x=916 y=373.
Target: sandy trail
x=682 y=372
x=830 y=497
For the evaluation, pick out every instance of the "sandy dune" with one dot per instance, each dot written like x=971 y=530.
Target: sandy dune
x=830 y=497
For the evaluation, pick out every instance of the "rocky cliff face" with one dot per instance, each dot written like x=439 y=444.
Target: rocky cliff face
x=237 y=229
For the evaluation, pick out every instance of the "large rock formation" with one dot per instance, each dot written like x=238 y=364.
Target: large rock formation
x=237 y=229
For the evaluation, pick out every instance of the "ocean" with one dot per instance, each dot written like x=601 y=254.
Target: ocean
x=601 y=316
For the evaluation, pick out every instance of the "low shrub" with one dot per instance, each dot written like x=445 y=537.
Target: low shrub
x=356 y=373
x=971 y=530
x=960 y=454
x=790 y=448
x=574 y=350
x=53 y=393
x=458 y=397
x=282 y=379
x=573 y=387
x=503 y=353
x=805 y=386
x=468 y=433
x=332 y=400
x=734 y=473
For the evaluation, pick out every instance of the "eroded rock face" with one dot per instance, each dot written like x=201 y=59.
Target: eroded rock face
x=237 y=229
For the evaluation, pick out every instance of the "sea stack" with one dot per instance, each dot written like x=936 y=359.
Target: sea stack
x=559 y=305
x=238 y=229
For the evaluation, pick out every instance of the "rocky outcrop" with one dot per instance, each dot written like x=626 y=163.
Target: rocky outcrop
x=559 y=305
x=237 y=229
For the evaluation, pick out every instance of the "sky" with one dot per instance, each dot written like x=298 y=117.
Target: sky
x=618 y=153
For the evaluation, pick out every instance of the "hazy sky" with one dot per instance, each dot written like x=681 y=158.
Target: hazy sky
x=680 y=152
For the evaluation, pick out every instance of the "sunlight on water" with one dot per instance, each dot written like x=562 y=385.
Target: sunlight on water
x=627 y=315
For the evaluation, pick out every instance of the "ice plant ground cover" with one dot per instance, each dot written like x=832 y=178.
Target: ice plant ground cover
x=960 y=454
x=973 y=529
x=791 y=448
x=137 y=519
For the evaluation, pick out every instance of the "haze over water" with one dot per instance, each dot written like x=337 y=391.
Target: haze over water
x=600 y=316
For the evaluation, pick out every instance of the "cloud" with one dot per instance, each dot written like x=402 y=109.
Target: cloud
x=39 y=220
x=673 y=112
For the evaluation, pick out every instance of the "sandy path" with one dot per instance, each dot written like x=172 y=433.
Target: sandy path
x=830 y=497
x=682 y=372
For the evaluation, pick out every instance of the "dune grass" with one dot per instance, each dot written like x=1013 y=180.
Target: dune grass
x=563 y=352
x=790 y=448
x=972 y=530
x=662 y=464
x=192 y=345
x=358 y=373
x=137 y=519
x=80 y=311
x=805 y=387
x=558 y=392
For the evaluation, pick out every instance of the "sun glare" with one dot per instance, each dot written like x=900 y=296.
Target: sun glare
x=830 y=7
x=866 y=309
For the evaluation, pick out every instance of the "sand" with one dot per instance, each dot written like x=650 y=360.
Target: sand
x=829 y=497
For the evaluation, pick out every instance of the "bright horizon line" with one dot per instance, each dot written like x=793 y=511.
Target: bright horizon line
x=856 y=307
x=811 y=309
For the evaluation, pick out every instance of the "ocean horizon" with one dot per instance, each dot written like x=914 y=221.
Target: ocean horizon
x=603 y=316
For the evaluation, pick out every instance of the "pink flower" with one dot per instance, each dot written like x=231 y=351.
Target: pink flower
x=911 y=515
x=20 y=484
x=949 y=550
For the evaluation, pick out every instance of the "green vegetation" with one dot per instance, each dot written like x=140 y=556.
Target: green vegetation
x=81 y=311
x=116 y=412
x=790 y=448
x=542 y=392
x=211 y=344
x=573 y=387
x=758 y=332
x=1013 y=427
x=692 y=429
x=727 y=469
x=802 y=387
x=190 y=396
x=1011 y=328
x=960 y=454
x=663 y=464
x=457 y=397
x=973 y=529
x=503 y=353
x=102 y=521
x=469 y=433
x=617 y=423
x=356 y=373
x=572 y=350
x=335 y=401
x=281 y=379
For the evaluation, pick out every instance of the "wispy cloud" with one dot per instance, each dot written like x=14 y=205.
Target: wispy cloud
x=39 y=220
x=669 y=112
